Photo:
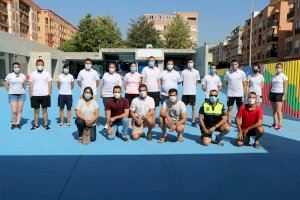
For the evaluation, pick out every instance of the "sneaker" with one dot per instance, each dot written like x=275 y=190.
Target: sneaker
x=279 y=128
x=18 y=126
x=124 y=138
x=61 y=124
x=219 y=141
x=68 y=124
x=34 y=128
x=256 y=145
x=194 y=124
x=13 y=126
x=47 y=128
x=149 y=136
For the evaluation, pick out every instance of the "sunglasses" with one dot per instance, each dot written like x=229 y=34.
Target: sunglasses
x=213 y=95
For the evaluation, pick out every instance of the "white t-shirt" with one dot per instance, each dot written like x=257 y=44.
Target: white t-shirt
x=87 y=111
x=211 y=83
x=151 y=75
x=109 y=81
x=255 y=82
x=277 y=83
x=88 y=79
x=142 y=106
x=190 y=80
x=16 y=83
x=235 y=81
x=169 y=80
x=175 y=111
x=65 y=84
x=40 y=82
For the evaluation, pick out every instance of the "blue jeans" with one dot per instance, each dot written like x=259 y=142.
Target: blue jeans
x=82 y=125
x=121 y=126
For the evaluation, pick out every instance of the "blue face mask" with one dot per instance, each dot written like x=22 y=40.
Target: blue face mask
x=213 y=99
x=151 y=64
x=65 y=70
x=87 y=96
x=16 y=70
x=212 y=71
x=132 y=68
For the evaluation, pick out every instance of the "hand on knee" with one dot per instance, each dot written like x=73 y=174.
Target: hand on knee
x=179 y=129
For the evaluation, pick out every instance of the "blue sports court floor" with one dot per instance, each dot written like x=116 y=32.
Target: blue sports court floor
x=53 y=165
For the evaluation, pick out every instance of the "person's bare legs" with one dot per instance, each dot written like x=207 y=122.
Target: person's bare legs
x=193 y=114
x=279 y=112
x=61 y=115
x=229 y=114
x=14 y=112
x=179 y=130
x=36 y=116
x=45 y=116
x=163 y=126
x=275 y=116
x=69 y=115
x=259 y=134
x=20 y=109
x=206 y=141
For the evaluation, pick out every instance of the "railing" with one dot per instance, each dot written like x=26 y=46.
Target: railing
x=273 y=23
x=297 y=31
x=291 y=14
x=271 y=54
x=272 y=38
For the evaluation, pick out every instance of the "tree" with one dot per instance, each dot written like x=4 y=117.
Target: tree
x=142 y=32
x=178 y=36
x=68 y=46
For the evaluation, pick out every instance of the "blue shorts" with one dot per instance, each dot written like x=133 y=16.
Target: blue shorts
x=65 y=100
x=16 y=97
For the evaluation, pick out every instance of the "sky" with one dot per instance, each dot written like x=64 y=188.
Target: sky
x=217 y=18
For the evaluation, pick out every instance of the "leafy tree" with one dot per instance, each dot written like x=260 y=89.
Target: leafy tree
x=178 y=36
x=68 y=46
x=142 y=32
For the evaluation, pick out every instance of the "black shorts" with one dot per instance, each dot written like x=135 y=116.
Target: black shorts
x=237 y=100
x=37 y=101
x=130 y=97
x=189 y=99
x=275 y=97
x=163 y=98
x=208 y=135
x=65 y=100
x=156 y=97
x=250 y=133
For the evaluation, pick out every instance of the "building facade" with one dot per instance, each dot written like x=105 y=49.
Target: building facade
x=53 y=29
x=220 y=51
x=161 y=22
x=235 y=44
x=270 y=27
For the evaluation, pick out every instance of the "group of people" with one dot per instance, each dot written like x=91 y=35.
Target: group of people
x=144 y=93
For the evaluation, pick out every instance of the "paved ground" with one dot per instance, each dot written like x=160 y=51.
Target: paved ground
x=52 y=165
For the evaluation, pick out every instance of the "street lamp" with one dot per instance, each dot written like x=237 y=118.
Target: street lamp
x=251 y=23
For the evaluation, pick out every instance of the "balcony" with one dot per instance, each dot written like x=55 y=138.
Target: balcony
x=272 y=38
x=289 y=34
x=271 y=54
x=290 y=15
x=297 y=31
x=273 y=23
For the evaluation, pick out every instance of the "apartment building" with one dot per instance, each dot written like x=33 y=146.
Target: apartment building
x=161 y=22
x=220 y=51
x=270 y=27
x=53 y=29
x=235 y=44
x=19 y=17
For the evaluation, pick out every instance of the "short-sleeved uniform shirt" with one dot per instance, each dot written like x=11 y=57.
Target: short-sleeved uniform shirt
x=212 y=82
x=169 y=80
x=109 y=81
x=87 y=111
x=190 y=79
x=175 y=111
x=16 y=83
x=151 y=76
x=255 y=81
x=132 y=82
x=117 y=107
x=212 y=114
x=65 y=84
x=278 y=82
x=142 y=106
x=88 y=78
x=249 y=117
x=235 y=81
x=40 y=82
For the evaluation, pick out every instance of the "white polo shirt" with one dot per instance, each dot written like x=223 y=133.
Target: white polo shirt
x=169 y=80
x=65 y=83
x=212 y=82
x=277 y=83
x=88 y=79
x=235 y=81
x=16 y=83
x=255 y=81
x=151 y=75
x=109 y=81
x=142 y=106
x=190 y=80
x=40 y=82
x=175 y=111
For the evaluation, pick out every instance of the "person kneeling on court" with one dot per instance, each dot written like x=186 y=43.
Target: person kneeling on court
x=87 y=112
x=249 y=122
x=116 y=112
x=172 y=116
x=212 y=117
x=142 y=112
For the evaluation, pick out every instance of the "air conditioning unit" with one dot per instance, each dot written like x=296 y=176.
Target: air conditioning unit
x=149 y=46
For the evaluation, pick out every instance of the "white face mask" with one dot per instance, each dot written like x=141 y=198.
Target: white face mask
x=151 y=64
x=65 y=70
x=190 y=65
x=40 y=68
x=111 y=70
x=143 y=94
x=278 y=70
x=132 y=69
x=88 y=67
x=173 y=99
x=251 y=101
x=16 y=70
x=117 y=95
x=170 y=67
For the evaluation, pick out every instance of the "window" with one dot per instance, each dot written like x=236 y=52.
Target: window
x=46 y=20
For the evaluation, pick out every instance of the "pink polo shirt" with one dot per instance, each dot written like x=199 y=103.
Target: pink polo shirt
x=132 y=82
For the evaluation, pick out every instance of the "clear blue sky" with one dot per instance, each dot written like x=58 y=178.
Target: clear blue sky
x=216 y=17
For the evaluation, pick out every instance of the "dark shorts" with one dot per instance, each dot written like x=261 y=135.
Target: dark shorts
x=250 y=133
x=237 y=100
x=65 y=100
x=189 y=99
x=208 y=135
x=163 y=98
x=156 y=97
x=37 y=101
x=130 y=97
x=275 y=97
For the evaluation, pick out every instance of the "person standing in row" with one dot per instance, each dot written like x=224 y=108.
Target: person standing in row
x=88 y=77
x=170 y=78
x=190 y=78
x=65 y=84
x=15 y=85
x=236 y=85
x=255 y=82
x=278 y=95
x=40 y=90
x=109 y=80
x=151 y=77
x=211 y=81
